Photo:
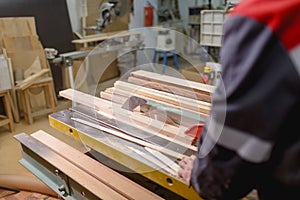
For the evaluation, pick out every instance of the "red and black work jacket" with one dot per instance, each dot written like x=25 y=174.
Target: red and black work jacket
x=254 y=126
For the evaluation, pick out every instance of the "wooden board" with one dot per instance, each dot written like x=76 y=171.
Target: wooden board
x=164 y=97
x=181 y=83
x=186 y=92
x=33 y=69
x=31 y=79
x=104 y=107
x=104 y=36
x=106 y=175
x=14 y=104
x=166 y=106
x=24 y=59
x=112 y=110
x=22 y=43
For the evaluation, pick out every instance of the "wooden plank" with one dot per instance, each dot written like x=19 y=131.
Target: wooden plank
x=104 y=36
x=155 y=161
x=24 y=59
x=105 y=108
x=109 y=177
x=5 y=80
x=192 y=104
x=30 y=80
x=186 y=92
x=171 y=95
x=184 y=117
x=13 y=107
x=130 y=138
x=21 y=43
x=179 y=118
x=34 y=68
x=14 y=103
x=165 y=105
x=80 y=176
x=7 y=107
x=17 y=26
x=181 y=139
x=181 y=83
x=163 y=117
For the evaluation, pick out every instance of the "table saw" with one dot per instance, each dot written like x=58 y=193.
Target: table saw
x=111 y=138
x=112 y=151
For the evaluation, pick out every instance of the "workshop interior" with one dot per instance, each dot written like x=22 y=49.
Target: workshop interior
x=100 y=99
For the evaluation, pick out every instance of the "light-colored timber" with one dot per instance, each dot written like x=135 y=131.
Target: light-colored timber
x=109 y=177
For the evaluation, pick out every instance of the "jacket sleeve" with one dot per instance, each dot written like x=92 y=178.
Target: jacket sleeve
x=250 y=104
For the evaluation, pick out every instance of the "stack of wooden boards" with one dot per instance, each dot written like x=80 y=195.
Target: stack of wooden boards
x=171 y=108
x=25 y=57
x=151 y=134
x=187 y=99
x=90 y=10
x=77 y=175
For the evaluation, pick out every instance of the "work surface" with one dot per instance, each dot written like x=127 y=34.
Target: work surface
x=143 y=143
x=147 y=139
x=130 y=157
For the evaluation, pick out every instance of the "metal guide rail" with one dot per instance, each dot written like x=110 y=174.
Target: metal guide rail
x=81 y=124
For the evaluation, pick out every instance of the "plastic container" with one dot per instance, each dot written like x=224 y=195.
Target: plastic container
x=211 y=32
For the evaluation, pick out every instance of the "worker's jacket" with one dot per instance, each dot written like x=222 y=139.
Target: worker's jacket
x=252 y=137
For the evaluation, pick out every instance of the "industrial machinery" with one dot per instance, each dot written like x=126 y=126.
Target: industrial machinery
x=132 y=139
x=107 y=11
x=166 y=40
x=105 y=14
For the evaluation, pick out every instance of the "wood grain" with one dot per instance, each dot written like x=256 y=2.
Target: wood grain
x=178 y=82
x=114 y=111
x=114 y=180
x=82 y=177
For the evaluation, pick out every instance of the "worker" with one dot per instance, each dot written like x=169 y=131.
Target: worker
x=256 y=146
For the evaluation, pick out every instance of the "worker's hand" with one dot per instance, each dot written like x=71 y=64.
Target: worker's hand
x=186 y=166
